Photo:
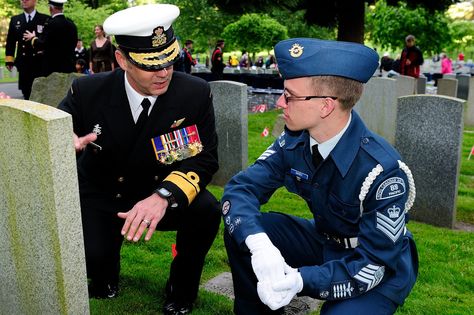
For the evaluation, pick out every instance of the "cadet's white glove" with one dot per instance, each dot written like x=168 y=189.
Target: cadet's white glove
x=267 y=262
x=281 y=293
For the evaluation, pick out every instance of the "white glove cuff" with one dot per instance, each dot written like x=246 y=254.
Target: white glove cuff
x=258 y=241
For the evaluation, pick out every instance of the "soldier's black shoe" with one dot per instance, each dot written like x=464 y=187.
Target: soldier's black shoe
x=176 y=308
x=105 y=291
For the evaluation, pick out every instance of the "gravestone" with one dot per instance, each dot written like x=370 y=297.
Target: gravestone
x=222 y=284
x=230 y=106
x=429 y=138
x=1 y=73
x=378 y=106
x=42 y=264
x=449 y=76
x=279 y=126
x=463 y=86
x=421 y=85
x=447 y=87
x=52 y=89
x=469 y=113
x=406 y=85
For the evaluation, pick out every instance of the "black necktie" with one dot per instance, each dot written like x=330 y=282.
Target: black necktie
x=144 y=114
x=29 y=18
x=316 y=156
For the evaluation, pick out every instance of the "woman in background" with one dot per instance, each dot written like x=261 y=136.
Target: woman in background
x=101 y=52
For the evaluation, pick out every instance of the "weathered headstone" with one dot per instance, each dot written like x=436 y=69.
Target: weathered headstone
x=230 y=106
x=469 y=113
x=222 y=284
x=448 y=87
x=42 y=264
x=449 y=76
x=463 y=86
x=421 y=85
x=429 y=137
x=52 y=89
x=377 y=106
x=1 y=73
x=406 y=85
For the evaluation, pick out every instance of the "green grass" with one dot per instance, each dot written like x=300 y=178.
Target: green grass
x=446 y=275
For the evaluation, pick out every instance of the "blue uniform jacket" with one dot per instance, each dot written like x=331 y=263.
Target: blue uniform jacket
x=384 y=258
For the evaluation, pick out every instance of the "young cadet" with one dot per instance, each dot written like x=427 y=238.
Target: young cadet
x=153 y=151
x=355 y=252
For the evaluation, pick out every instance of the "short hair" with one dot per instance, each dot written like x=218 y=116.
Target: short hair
x=347 y=91
x=409 y=38
x=220 y=42
x=188 y=41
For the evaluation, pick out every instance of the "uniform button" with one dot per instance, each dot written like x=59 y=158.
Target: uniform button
x=118 y=196
x=24 y=54
x=156 y=178
x=121 y=179
x=365 y=140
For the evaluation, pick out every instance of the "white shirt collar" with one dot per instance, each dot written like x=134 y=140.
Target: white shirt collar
x=327 y=146
x=135 y=99
x=32 y=14
x=60 y=13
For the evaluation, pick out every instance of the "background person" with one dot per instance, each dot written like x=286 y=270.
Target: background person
x=101 y=52
x=131 y=185
x=355 y=252
x=411 y=59
x=27 y=61
x=81 y=52
x=58 y=41
x=217 y=60
x=446 y=64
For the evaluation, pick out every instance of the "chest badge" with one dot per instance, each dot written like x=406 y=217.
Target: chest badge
x=298 y=174
x=177 y=123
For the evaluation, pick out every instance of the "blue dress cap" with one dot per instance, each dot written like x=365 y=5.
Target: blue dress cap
x=305 y=57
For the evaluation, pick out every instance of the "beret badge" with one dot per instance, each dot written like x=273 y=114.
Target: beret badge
x=159 y=38
x=296 y=50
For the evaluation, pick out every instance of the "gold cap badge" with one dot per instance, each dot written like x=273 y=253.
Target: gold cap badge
x=296 y=50
x=159 y=38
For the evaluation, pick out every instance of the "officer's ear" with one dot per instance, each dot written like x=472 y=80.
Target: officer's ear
x=121 y=59
x=328 y=106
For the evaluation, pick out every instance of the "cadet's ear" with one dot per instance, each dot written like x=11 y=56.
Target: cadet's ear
x=328 y=107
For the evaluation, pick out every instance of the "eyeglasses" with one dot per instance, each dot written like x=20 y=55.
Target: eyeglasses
x=304 y=98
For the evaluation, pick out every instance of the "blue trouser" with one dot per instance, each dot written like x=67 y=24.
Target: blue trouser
x=300 y=245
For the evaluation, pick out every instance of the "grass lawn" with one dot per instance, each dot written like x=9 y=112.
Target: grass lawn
x=446 y=275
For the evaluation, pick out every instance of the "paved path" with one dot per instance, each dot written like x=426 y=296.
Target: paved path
x=11 y=89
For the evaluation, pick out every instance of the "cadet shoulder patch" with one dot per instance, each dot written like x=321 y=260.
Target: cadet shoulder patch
x=390 y=188
x=225 y=207
x=371 y=275
x=267 y=153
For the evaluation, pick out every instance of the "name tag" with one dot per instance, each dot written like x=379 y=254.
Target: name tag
x=299 y=174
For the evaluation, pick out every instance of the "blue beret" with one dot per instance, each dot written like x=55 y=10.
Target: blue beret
x=306 y=57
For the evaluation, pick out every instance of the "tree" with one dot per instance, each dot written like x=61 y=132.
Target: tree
x=254 y=32
x=347 y=15
x=388 y=26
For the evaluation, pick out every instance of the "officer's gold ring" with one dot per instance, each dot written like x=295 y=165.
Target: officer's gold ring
x=147 y=222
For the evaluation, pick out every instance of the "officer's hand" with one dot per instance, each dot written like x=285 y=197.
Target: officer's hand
x=9 y=66
x=27 y=35
x=279 y=294
x=145 y=214
x=81 y=142
x=267 y=262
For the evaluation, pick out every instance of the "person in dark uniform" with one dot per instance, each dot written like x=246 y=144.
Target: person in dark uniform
x=356 y=252
x=27 y=60
x=58 y=41
x=186 y=60
x=217 y=61
x=154 y=150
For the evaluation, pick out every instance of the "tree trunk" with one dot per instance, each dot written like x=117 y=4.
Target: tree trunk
x=351 y=14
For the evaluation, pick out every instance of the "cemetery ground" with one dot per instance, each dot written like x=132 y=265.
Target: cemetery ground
x=446 y=275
